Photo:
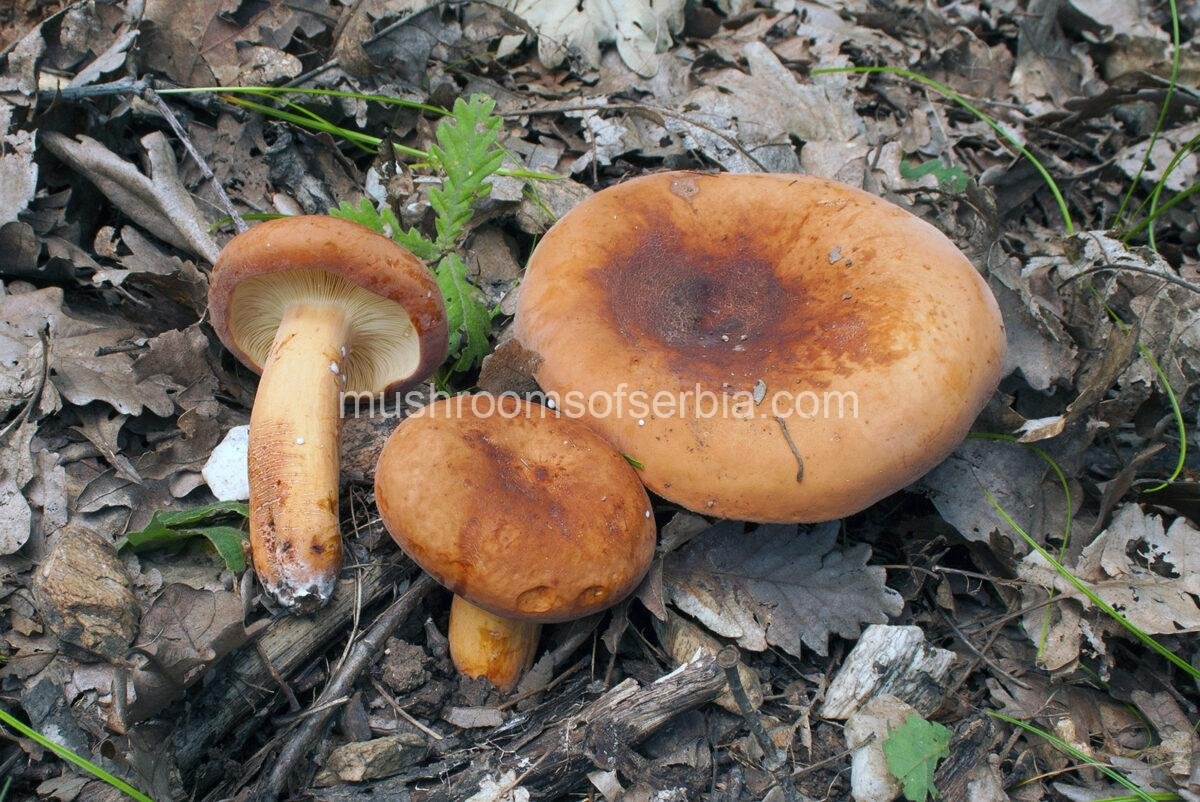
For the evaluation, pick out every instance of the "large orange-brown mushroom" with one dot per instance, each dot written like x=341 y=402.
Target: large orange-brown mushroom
x=841 y=346
x=320 y=307
x=526 y=516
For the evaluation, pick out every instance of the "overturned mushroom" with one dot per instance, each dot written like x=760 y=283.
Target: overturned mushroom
x=320 y=307
x=527 y=516
x=772 y=348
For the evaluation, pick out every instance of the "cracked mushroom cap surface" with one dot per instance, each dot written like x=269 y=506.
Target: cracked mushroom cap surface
x=397 y=318
x=811 y=348
x=523 y=513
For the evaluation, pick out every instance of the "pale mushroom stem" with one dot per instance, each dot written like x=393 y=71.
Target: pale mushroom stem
x=295 y=430
x=487 y=645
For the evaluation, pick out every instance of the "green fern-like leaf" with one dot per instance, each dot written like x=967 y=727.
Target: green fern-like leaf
x=467 y=315
x=468 y=153
x=384 y=221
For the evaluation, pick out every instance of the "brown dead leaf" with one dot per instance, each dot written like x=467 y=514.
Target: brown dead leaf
x=158 y=201
x=24 y=318
x=1178 y=747
x=84 y=369
x=193 y=43
x=186 y=631
x=762 y=109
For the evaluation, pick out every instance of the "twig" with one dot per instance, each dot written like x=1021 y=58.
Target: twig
x=404 y=714
x=555 y=760
x=820 y=764
x=728 y=659
x=1119 y=266
x=549 y=686
x=792 y=445
x=73 y=94
x=339 y=685
x=989 y=662
x=642 y=107
x=293 y=702
x=207 y=172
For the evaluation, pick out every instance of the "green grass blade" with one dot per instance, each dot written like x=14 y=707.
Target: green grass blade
x=1083 y=757
x=1167 y=388
x=1162 y=117
x=319 y=124
x=1161 y=210
x=1066 y=488
x=1188 y=148
x=966 y=104
x=71 y=757
x=529 y=175
x=1102 y=605
x=1180 y=426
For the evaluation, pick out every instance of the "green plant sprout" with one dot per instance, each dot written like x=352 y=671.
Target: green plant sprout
x=69 y=756
x=950 y=177
x=1191 y=146
x=465 y=155
x=913 y=751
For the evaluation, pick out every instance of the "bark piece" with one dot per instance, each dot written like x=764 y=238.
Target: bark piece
x=556 y=761
x=893 y=660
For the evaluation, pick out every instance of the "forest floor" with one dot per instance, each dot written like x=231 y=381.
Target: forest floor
x=1020 y=624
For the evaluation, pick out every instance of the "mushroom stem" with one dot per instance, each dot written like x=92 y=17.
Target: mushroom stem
x=295 y=430
x=487 y=645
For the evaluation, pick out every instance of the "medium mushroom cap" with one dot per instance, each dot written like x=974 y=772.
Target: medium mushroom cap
x=395 y=311
x=842 y=345
x=523 y=513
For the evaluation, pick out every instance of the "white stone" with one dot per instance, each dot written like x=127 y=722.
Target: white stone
x=870 y=778
x=226 y=471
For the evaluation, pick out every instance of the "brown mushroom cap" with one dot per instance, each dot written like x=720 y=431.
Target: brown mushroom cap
x=749 y=287
x=395 y=310
x=526 y=514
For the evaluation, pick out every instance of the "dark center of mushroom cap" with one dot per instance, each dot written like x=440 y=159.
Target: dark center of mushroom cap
x=731 y=307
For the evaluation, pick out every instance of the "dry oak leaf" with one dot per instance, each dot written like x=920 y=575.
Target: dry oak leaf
x=18 y=171
x=575 y=29
x=1147 y=572
x=779 y=585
